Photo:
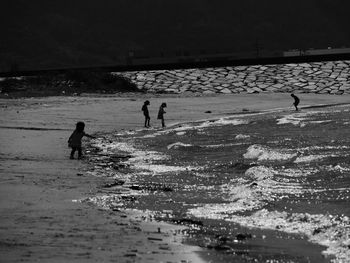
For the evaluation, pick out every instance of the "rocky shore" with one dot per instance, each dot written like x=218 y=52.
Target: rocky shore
x=328 y=77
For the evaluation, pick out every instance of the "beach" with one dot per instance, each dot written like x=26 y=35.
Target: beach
x=41 y=217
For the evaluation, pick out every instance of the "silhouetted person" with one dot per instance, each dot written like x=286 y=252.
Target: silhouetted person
x=146 y=113
x=74 y=140
x=161 y=113
x=296 y=101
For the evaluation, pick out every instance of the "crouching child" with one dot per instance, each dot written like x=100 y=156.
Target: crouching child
x=74 y=140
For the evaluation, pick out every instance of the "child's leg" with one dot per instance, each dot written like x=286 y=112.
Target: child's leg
x=80 y=153
x=163 y=124
x=72 y=152
x=296 y=106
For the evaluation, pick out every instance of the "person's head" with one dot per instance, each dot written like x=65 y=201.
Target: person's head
x=163 y=105
x=80 y=126
x=292 y=95
x=147 y=102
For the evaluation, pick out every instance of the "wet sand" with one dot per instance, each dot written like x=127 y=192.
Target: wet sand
x=39 y=220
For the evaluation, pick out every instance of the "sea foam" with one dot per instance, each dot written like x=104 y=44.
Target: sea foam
x=198 y=126
x=178 y=145
x=263 y=153
x=333 y=232
x=242 y=136
x=301 y=119
x=140 y=159
x=327 y=230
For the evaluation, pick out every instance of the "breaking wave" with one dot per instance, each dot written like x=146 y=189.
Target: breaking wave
x=262 y=153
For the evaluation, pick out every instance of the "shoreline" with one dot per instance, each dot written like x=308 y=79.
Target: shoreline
x=39 y=182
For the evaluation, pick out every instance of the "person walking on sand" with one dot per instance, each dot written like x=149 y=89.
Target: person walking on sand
x=146 y=113
x=74 y=140
x=161 y=113
x=296 y=101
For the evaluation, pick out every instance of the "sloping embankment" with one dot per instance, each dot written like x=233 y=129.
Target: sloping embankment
x=330 y=77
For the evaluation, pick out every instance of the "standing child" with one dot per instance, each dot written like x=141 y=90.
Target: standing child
x=296 y=101
x=161 y=113
x=74 y=140
x=146 y=113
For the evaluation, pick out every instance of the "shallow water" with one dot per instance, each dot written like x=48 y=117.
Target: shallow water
x=285 y=172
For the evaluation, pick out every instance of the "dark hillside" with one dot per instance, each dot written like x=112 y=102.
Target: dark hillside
x=48 y=34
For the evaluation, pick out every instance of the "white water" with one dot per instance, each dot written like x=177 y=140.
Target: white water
x=142 y=160
x=270 y=184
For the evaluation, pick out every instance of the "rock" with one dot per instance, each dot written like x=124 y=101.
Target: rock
x=253 y=185
x=257 y=89
x=240 y=68
x=187 y=221
x=222 y=247
x=226 y=91
x=272 y=89
x=324 y=91
x=116 y=183
x=278 y=86
x=224 y=239
x=262 y=86
x=135 y=187
x=118 y=158
x=171 y=90
x=231 y=76
x=130 y=255
x=155 y=239
x=241 y=236
x=164 y=247
x=249 y=90
x=300 y=84
x=344 y=87
x=317 y=231
x=208 y=92
x=311 y=87
x=271 y=78
x=305 y=65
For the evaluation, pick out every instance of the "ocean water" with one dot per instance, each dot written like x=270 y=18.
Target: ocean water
x=286 y=173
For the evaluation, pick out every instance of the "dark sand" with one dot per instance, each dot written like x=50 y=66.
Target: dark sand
x=38 y=219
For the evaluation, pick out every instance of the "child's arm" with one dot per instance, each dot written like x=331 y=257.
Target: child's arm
x=70 y=138
x=90 y=136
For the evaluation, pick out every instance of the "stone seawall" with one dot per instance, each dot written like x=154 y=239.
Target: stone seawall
x=331 y=77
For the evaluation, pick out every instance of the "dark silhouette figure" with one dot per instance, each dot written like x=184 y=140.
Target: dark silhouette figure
x=296 y=101
x=161 y=113
x=74 y=140
x=146 y=113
